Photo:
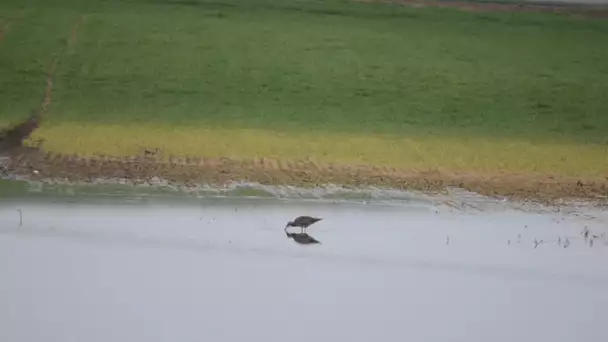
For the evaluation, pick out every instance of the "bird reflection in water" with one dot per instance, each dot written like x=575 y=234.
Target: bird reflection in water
x=302 y=238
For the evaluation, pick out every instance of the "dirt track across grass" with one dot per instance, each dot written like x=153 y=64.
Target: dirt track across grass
x=571 y=8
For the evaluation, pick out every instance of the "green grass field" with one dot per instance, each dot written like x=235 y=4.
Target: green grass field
x=331 y=80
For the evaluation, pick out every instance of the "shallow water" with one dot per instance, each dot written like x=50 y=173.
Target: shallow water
x=138 y=264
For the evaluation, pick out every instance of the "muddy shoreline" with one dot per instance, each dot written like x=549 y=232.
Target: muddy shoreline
x=34 y=164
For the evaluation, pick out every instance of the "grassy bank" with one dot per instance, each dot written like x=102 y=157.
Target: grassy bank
x=462 y=154
x=328 y=80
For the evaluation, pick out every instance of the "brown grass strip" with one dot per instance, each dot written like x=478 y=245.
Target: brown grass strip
x=74 y=32
x=48 y=89
x=4 y=28
x=10 y=22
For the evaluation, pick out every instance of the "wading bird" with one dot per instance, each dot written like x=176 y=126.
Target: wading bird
x=301 y=238
x=303 y=222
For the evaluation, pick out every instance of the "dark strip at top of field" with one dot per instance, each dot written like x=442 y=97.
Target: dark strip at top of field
x=561 y=7
x=588 y=10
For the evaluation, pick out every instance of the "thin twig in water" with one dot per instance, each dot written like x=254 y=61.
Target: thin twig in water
x=20 y=217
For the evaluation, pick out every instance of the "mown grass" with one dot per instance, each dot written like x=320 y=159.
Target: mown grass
x=405 y=86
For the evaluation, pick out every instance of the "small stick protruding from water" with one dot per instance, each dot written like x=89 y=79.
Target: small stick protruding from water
x=447 y=240
x=591 y=243
x=559 y=241
x=518 y=238
x=508 y=242
x=20 y=217
x=536 y=243
x=566 y=243
x=586 y=232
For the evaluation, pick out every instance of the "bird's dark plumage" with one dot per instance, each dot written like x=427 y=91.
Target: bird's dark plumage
x=303 y=222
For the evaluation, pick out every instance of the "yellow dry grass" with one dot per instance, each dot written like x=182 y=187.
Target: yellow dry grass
x=415 y=152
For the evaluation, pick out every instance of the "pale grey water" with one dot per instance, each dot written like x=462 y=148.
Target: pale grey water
x=118 y=264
